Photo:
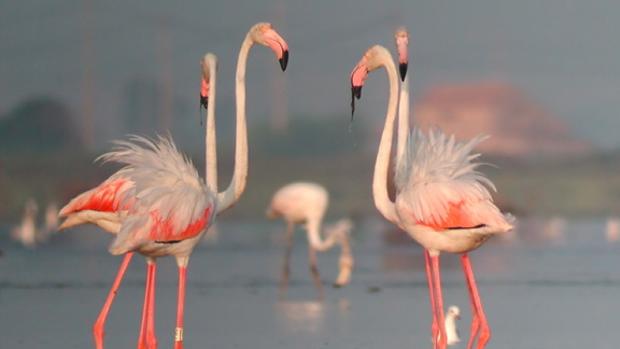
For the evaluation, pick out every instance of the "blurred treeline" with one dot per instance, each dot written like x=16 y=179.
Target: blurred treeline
x=43 y=156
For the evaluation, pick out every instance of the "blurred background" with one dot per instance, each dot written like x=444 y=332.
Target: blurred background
x=541 y=77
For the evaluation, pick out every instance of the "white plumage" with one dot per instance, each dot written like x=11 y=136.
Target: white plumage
x=438 y=172
x=167 y=189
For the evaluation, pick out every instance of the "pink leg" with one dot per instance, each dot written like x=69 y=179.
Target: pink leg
x=178 y=333
x=439 y=302
x=142 y=340
x=429 y=278
x=98 y=331
x=475 y=322
x=151 y=338
x=484 y=331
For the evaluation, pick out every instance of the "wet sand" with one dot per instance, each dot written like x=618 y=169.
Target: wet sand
x=541 y=290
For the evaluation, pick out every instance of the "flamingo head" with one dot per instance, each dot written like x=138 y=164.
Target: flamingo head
x=454 y=311
x=264 y=34
x=208 y=62
x=369 y=62
x=402 y=42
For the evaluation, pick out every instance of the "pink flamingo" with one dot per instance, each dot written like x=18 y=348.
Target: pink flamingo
x=157 y=204
x=441 y=200
x=306 y=203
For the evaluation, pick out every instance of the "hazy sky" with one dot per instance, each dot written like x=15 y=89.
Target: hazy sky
x=561 y=52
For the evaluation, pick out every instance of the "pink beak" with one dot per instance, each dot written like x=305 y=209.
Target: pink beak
x=358 y=77
x=278 y=45
x=204 y=93
x=403 y=59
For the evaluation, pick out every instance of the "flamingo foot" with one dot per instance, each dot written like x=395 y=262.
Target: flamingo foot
x=98 y=333
x=475 y=327
x=484 y=337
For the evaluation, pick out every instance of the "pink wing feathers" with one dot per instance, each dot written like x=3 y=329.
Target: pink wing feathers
x=171 y=203
x=104 y=198
x=440 y=184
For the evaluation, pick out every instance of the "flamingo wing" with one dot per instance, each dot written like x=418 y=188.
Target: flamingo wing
x=444 y=206
x=104 y=198
x=171 y=204
x=440 y=185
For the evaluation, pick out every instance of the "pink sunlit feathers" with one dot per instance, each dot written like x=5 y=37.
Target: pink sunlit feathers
x=104 y=198
x=438 y=181
x=170 y=196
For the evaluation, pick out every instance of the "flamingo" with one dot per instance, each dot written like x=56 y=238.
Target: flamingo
x=452 y=333
x=306 y=203
x=157 y=204
x=27 y=231
x=51 y=218
x=441 y=201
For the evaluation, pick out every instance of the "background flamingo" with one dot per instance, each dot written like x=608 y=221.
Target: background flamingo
x=157 y=204
x=26 y=231
x=452 y=333
x=441 y=200
x=306 y=203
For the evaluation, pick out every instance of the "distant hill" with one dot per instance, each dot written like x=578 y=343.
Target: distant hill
x=39 y=124
x=518 y=126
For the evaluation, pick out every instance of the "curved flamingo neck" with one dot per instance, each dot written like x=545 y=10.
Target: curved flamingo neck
x=210 y=137
x=314 y=237
x=379 y=183
x=237 y=185
x=403 y=121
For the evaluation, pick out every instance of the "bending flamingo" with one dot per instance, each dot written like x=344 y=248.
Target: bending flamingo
x=441 y=201
x=306 y=203
x=157 y=205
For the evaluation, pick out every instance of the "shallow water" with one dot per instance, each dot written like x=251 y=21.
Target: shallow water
x=553 y=285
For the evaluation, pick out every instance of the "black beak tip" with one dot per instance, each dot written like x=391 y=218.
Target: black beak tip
x=204 y=102
x=357 y=91
x=284 y=60
x=403 y=71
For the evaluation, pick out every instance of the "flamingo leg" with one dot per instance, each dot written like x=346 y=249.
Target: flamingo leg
x=480 y=319
x=442 y=342
x=287 y=258
x=314 y=270
x=151 y=338
x=178 y=332
x=98 y=331
x=142 y=338
x=431 y=291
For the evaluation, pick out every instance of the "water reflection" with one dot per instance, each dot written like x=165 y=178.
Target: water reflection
x=539 y=231
x=305 y=316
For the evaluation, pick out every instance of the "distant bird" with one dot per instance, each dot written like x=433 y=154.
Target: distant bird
x=441 y=200
x=157 y=204
x=306 y=203
x=26 y=231
x=612 y=232
x=51 y=218
x=453 y=314
x=554 y=228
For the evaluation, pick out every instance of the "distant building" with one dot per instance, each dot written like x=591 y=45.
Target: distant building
x=518 y=126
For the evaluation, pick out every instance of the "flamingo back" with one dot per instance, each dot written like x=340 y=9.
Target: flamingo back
x=172 y=203
x=300 y=202
x=440 y=186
